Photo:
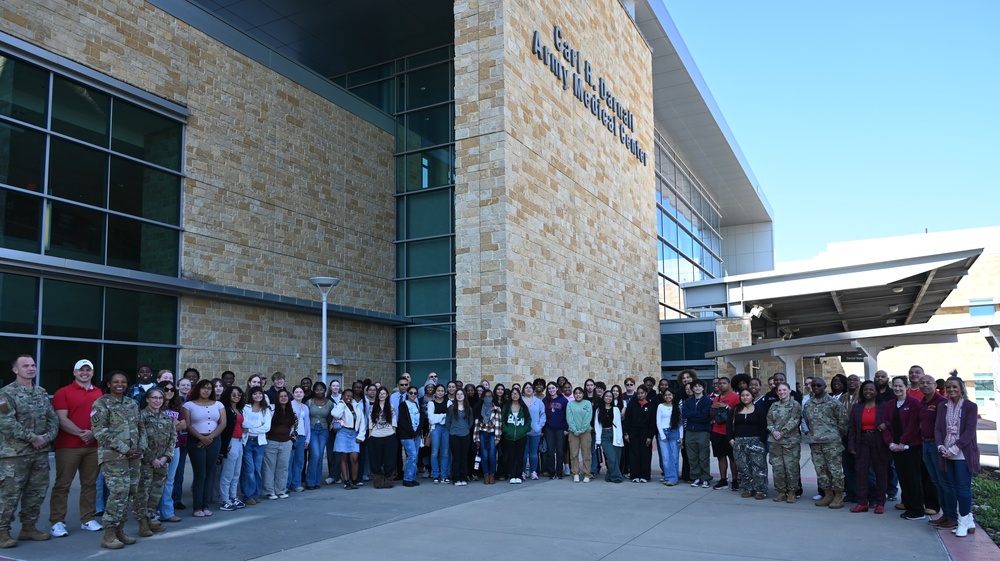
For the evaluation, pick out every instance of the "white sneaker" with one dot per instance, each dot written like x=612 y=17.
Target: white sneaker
x=59 y=530
x=513 y=481
x=92 y=526
x=329 y=481
x=586 y=480
x=696 y=483
x=817 y=497
x=576 y=478
x=272 y=497
x=282 y=495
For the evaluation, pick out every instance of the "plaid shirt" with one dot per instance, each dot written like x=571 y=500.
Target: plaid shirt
x=494 y=424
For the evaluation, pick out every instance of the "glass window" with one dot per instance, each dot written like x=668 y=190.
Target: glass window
x=429 y=296
x=25 y=93
x=428 y=86
x=432 y=168
x=672 y=346
x=429 y=342
x=78 y=173
x=428 y=214
x=982 y=307
x=697 y=344
x=76 y=233
x=129 y=357
x=380 y=94
x=18 y=305
x=23 y=164
x=71 y=309
x=55 y=364
x=445 y=370
x=427 y=127
x=80 y=111
x=429 y=257
x=20 y=221
x=140 y=316
x=429 y=57
x=11 y=347
x=143 y=191
x=145 y=135
x=360 y=77
x=142 y=246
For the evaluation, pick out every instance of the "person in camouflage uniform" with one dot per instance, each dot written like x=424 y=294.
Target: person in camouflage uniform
x=156 y=457
x=783 y=419
x=827 y=422
x=28 y=425
x=121 y=439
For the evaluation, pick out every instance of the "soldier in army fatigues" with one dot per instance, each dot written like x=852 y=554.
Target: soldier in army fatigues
x=827 y=422
x=121 y=440
x=28 y=425
x=156 y=457
x=783 y=419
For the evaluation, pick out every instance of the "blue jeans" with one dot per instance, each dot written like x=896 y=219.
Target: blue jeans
x=102 y=492
x=297 y=463
x=440 y=464
x=178 y=492
x=488 y=445
x=530 y=453
x=612 y=455
x=202 y=464
x=930 y=456
x=251 y=478
x=166 y=507
x=317 y=446
x=411 y=446
x=669 y=450
x=956 y=489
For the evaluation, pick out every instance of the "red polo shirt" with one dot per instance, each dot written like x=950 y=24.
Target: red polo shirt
x=78 y=403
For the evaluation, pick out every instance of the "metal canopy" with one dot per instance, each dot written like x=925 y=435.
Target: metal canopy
x=822 y=301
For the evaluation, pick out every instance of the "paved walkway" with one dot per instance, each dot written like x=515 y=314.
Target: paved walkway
x=554 y=519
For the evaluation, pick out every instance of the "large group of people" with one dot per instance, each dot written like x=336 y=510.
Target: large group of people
x=247 y=444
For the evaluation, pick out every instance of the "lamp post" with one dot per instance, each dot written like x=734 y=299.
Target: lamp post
x=324 y=284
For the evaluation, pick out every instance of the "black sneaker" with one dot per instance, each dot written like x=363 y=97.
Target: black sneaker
x=722 y=484
x=228 y=506
x=736 y=486
x=179 y=506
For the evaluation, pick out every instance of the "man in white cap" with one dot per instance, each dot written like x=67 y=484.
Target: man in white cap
x=75 y=450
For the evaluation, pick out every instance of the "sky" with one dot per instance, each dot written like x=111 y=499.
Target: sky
x=860 y=119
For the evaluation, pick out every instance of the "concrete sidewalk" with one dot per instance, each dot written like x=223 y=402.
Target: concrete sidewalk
x=596 y=520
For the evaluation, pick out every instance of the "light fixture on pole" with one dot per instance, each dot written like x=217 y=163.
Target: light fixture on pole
x=324 y=284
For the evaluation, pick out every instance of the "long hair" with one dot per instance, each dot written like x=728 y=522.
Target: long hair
x=264 y=405
x=196 y=392
x=505 y=410
x=740 y=406
x=382 y=413
x=174 y=403
x=466 y=406
x=281 y=412
x=227 y=399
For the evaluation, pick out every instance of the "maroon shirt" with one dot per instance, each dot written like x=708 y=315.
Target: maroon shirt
x=928 y=416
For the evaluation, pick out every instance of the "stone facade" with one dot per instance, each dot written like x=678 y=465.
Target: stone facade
x=555 y=216
x=281 y=185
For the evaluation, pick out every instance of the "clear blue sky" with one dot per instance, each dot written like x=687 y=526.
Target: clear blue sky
x=860 y=119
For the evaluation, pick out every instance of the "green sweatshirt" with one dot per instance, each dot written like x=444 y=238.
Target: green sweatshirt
x=578 y=416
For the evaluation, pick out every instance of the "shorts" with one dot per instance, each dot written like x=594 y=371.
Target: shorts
x=721 y=448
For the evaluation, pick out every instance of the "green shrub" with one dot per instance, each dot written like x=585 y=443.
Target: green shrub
x=986 y=502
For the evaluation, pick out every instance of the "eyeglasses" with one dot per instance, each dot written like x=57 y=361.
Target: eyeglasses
x=629 y=384
x=411 y=393
x=169 y=390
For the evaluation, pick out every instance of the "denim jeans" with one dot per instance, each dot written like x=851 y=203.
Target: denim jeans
x=297 y=463
x=232 y=465
x=332 y=458
x=488 y=447
x=411 y=446
x=166 y=507
x=930 y=456
x=956 y=489
x=669 y=451
x=317 y=446
x=178 y=491
x=253 y=463
x=612 y=455
x=595 y=461
x=440 y=464
x=531 y=453
x=102 y=492
x=202 y=463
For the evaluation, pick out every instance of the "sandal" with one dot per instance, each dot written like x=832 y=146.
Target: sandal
x=198 y=513
x=207 y=512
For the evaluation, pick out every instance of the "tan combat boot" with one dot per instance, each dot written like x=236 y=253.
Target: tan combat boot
x=144 y=531
x=29 y=532
x=780 y=498
x=838 y=500
x=122 y=536
x=156 y=527
x=827 y=498
x=6 y=541
x=110 y=539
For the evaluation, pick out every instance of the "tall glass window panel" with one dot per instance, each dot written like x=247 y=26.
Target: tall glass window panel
x=22 y=161
x=428 y=86
x=75 y=233
x=55 y=363
x=355 y=79
x=672 y=346
x=429 y=342
x=380 y=94
x=429 y=57
x=129 y=357
x=424 y=128
x=697 y=344
x=142 y=246
x=140 y=317
x=20 y=221
x=143 y=191
x=429 y=296
x=142 y=134
x=71 y=309
x=78 y=173
x=445 y=369
x=18 y=305
x=80 y=111
x=428 y=257
x=428 y=214
x=24 y=91
x=421 y=170
x=11 y=347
